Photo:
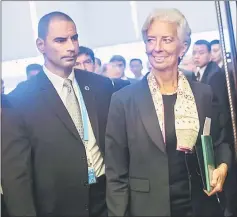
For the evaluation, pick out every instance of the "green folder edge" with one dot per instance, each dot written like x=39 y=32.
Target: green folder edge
x=207 y=141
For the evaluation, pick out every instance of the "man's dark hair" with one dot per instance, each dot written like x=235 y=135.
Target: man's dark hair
x=118 y=58
x=136 y=59
x=46 y=19
x=214 y=42
x=98 y=60
x=204 y=42
x=87 y=51
x=33 y=67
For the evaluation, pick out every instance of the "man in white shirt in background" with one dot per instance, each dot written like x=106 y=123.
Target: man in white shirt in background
x=53 y=132
x=136 y=68
x=98 y=65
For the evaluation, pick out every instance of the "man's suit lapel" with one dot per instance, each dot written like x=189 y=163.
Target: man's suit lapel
x=208 y=73
x=88 y=94
x=54 y=102
x=148 y=114
x=205 y=75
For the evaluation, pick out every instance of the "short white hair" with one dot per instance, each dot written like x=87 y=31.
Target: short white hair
x=171 y=15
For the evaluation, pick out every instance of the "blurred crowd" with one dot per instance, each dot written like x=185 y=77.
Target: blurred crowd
x=206 y=58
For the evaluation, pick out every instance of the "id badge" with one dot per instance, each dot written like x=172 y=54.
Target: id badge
x=91 y=176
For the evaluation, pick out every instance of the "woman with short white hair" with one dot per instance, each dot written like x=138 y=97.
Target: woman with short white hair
x=153 y=157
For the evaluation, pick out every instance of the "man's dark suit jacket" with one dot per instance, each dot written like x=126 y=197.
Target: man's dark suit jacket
x=230 y=189
x=232 y=82
x=4 y=104
x=119 y=83
x=136 y=160
x=214 y=77
x=44 y=164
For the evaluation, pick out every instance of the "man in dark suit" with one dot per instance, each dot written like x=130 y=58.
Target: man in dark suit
x=119 y=83
x=31 y=71
x=54 y=130
x=212 y=72
x=231 y=182
x=209 y=72
x=217 y=57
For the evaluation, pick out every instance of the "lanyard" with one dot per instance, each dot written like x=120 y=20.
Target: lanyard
x=85 y=123
x=84 y=115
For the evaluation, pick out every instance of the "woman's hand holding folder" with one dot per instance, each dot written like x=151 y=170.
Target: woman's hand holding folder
x=218 y=179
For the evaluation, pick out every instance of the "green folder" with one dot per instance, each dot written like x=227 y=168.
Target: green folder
x=209 y=159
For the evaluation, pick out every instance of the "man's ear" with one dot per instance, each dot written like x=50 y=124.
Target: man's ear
x=40 y=45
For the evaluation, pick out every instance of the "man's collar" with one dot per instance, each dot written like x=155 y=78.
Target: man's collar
x=56 y=80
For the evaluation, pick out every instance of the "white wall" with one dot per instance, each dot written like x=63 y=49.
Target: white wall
x=201 y=15
x=99 y=24
x=17 y=33
x=109 y=23
x=75 y=9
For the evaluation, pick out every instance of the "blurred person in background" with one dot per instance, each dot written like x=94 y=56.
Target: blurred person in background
x=209 y=72
x=32 y=70
x=98 y=66
x=202 y=60
x=136 y=68
x=188 y=68
x=153 y=135
x=216 y=53
x=113 y=72
x=85 y=59
x=121 y=63
x=187 y=64
x=217 y=57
